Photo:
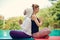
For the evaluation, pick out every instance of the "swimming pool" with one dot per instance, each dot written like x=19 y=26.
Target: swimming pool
x=55 y=33
x=4 y=34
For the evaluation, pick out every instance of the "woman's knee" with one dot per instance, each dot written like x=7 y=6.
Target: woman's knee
x=47 y=30
x=11 y=34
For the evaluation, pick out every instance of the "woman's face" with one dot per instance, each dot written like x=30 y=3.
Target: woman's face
x=36 y=10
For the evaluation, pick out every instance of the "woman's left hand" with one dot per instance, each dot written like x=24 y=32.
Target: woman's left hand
x=34 y=17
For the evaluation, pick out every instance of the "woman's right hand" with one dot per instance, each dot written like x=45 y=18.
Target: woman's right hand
x=34 y=17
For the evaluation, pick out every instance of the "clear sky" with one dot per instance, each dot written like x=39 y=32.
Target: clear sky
x=13 y=8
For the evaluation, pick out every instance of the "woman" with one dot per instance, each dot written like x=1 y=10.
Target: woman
x=36 y=23
x=26 y=26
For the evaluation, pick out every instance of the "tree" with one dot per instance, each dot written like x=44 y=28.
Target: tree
x=51 y=15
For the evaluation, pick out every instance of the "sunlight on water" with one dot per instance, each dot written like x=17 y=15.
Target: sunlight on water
x=5 y=34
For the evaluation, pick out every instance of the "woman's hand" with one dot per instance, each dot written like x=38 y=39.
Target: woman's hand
x=34 y=17
x=39 y=23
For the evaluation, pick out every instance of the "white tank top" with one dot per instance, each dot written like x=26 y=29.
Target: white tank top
x=26 y=26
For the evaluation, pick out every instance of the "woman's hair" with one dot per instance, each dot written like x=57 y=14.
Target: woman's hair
x=35 y=6
x=28 y=12
x=20 y=22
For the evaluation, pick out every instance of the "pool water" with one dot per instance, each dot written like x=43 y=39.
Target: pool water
x=55 y=33
x=4 y=34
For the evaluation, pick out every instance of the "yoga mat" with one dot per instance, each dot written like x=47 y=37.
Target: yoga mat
x=50 y=38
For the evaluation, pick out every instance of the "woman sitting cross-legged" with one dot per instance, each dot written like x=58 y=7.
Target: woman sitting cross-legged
x=26 y=26
x=36 y=23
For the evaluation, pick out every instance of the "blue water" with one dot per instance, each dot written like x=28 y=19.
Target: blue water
x=55 y=33
x=4 y=34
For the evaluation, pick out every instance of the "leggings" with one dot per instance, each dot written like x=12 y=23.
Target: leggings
x=42 y=34
x=18 y=34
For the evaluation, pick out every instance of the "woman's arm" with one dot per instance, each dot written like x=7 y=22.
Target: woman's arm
x=41 y=20
x=36 y=21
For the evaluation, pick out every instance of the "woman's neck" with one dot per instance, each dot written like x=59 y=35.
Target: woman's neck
x=34 y=13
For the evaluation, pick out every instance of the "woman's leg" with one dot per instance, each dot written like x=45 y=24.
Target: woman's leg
x=42 y=34
x=18 y=34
